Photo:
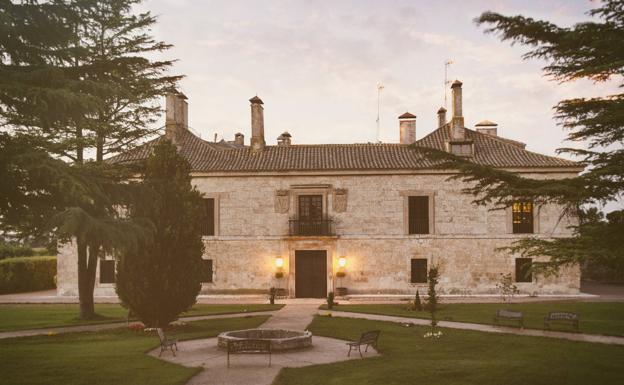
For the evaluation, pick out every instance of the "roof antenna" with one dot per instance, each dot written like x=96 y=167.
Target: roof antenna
x=215 y=138
x=379 y=88
x=447 y=63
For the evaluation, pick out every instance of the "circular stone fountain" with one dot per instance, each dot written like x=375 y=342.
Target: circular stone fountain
x=280 y=339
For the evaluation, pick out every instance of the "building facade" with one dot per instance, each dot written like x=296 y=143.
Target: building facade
x=355 y=218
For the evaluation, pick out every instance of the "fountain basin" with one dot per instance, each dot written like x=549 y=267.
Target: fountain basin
x=280 y=339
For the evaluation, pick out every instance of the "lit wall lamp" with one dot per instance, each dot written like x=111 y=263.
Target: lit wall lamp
x=342 y=262
x=279 y=264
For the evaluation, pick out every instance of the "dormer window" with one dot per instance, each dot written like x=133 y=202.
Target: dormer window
x=461 y=148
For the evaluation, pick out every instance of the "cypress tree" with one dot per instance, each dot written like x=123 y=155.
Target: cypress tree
x=162 y=278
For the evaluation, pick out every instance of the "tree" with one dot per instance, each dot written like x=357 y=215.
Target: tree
x=432 y=296
x=591 y=50
x=73 y=76
x=162 y=278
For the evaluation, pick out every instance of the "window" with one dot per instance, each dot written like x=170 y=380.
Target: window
x=310 y=207
x=461 y=149
x=107 y=271
x=523 y=270
x=418 y=214
x=207 y=271
x=419 y=270
x=522 y=217
x=208 y=221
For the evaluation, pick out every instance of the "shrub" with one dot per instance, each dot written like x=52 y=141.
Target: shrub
x=417 y=303
x=8 y=250
x=272 y=294
x=22 y=274
x=330 y=300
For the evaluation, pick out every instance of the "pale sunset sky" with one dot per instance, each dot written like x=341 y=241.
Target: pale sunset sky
x=316 y=66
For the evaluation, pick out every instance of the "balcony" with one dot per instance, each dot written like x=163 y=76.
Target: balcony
x=310 y=228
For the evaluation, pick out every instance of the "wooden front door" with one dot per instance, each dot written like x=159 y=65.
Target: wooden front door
x=310 y=273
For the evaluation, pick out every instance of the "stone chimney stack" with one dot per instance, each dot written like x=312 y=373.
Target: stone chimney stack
x=441 y=116
x=176 y=115
x=487 y=127
x=407 y=128
x=458 y=132
x=257 y=124
x=239 y=139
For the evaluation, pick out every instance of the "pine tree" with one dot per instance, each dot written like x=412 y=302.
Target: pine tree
x=591 y=50
x=73 y=93
x=162 y=278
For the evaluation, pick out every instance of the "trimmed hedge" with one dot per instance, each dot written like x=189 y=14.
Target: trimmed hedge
x=27 y=274
x=8 y=250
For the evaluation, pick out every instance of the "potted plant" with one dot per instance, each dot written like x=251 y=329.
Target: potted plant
x=341 y=291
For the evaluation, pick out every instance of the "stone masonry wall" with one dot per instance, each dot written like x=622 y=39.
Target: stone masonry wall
x=252 y=230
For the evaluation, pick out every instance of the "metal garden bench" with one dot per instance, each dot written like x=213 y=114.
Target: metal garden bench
x=166 y=343
x=248 y=346
x=561 y=317
x=508 y=315
x=368 y=339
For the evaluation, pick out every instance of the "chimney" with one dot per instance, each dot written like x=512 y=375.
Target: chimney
x=487 y=127
x=407 y=128
x=257 y=124
x=239 y=139
x=284 y=139
x=176 y=115
x=441 y=116
x=458 y=132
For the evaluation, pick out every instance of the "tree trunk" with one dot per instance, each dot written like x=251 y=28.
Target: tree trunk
x=87 y=262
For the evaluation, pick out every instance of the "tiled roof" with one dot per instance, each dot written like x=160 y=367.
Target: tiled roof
x=221 y=157
x=494 y=150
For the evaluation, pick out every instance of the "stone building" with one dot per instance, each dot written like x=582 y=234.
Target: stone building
x=363 y=218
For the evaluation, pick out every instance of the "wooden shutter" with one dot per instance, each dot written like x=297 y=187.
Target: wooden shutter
x=523 y=270
x=207 y=271
x=418 y=215
x=419 y=270
x=107 y=271
x=208 y=222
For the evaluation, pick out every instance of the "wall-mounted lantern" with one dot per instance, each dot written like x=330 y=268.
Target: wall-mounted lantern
x=279 y=264
x=342 y=262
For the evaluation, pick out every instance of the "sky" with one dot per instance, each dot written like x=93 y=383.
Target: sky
x=316 y=66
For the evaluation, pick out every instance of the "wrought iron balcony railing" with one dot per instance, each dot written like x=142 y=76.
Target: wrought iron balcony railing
x=305 y=227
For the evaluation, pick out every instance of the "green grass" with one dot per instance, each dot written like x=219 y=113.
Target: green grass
x=115 y=357
x=459 y=357
x=36 y=316
x=596 y=317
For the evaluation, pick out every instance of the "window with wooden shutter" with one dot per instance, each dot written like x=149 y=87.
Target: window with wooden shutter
x=419 y=270
x=207 y=271
x=208 y=218
x=522 y=217
x=418 y=214
x=107 y=271
x=523 y=270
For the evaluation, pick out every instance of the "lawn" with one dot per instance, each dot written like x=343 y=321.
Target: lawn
x=596 y=317
x=36 y=316
x=100 y=358
x=459 y=357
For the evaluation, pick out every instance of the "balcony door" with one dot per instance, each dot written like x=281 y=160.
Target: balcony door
x=310 y=208
x=310 y=215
